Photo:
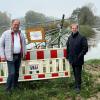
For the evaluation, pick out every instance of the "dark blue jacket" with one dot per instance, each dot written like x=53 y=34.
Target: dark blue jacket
x=77 y=47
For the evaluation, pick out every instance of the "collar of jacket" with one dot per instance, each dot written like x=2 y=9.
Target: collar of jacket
x=19 y=31
x=75 y=34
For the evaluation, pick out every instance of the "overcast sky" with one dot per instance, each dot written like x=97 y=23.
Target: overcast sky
x=55 y=8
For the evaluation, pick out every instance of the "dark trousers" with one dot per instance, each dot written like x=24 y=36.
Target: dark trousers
x=13 y=71
x=77 y=75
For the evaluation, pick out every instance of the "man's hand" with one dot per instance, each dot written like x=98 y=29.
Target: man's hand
x=3 y=59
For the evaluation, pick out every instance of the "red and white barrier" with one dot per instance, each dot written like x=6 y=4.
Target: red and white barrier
x=46 y=53
x=40 y=64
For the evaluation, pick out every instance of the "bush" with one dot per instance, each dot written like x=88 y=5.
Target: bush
x=86 y=30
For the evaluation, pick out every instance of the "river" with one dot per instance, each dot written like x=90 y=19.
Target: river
x=94 y=50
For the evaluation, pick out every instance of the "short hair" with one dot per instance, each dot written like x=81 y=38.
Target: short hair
x=15 y=20
x=74 y=24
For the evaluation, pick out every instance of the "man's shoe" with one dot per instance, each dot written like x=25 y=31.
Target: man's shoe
x=8 y=91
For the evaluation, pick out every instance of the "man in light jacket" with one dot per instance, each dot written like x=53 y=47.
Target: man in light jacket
x=12 y=49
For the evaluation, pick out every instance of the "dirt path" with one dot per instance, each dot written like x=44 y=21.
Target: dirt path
x=95 y=71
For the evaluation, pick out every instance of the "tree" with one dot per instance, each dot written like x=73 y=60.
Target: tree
x=4 y=21
x=85 y=15
x=75 y=16
x=34 y=17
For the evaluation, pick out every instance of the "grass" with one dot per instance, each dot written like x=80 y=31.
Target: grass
x=55 y=89
x=86 y=31
x=95 y=62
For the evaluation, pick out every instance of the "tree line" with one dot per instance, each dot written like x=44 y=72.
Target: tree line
x=85 y=17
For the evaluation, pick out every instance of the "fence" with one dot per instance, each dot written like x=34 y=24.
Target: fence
x=40 y=64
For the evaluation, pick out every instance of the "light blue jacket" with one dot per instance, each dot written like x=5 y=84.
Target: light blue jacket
x=6 y=45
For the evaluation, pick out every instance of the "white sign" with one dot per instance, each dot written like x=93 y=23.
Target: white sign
x=36 y=35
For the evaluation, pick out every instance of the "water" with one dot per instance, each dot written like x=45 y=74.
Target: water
x=94 y=51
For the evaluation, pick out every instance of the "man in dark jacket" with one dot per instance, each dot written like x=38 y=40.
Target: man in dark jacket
x=77 y=47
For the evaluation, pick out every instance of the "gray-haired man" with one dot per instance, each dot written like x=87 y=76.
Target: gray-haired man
x=12 y=49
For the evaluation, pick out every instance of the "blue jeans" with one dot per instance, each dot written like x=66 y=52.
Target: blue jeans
x=13 y=71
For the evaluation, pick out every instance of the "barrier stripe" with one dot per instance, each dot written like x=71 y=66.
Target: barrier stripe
x=38 y=76
x=33 y=55
x=65 y=53
x=28 y=56
x=53 y=53
x=27 y=77
x=1 y=79
x=66 y=73
x=46 y=54
x=40 y=54
x=41 y=75
x=60 y=53
x=54 y=74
